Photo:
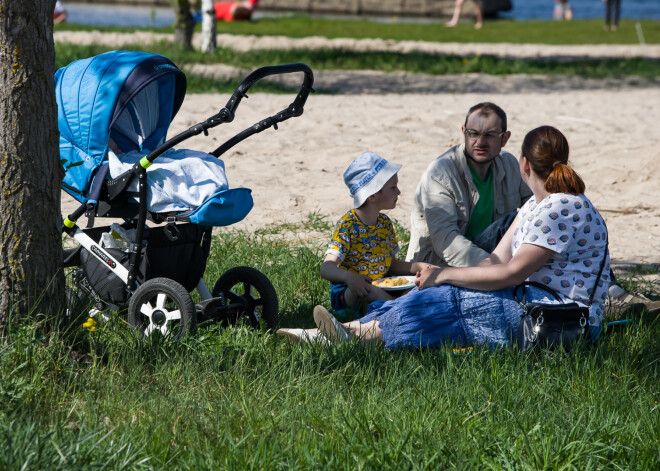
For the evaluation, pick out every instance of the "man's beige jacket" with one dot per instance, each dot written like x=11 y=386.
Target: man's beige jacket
x=444 y=200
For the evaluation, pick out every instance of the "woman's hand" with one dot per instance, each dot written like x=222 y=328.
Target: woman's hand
x=429 y=276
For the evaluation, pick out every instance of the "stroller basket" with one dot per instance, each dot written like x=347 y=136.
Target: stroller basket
x=178 y=252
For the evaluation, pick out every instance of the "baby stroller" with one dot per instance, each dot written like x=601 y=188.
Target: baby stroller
x=114 y=111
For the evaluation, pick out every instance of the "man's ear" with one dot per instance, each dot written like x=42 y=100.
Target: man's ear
x=505 y=137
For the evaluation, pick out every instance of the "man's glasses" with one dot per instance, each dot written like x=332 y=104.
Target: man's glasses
x=474 y=135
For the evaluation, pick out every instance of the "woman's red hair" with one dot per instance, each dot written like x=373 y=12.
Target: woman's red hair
x=546 y=149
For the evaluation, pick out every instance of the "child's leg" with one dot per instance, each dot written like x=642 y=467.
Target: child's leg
x=357 y=302
x=369 y=332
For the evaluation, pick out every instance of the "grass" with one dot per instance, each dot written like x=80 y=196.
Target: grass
x=516 y=32
x=230 y=398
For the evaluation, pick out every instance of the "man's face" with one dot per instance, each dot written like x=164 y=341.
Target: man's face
x=487 y=137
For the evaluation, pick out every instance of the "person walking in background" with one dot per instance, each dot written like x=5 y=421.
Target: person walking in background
x=478 y=12
x=612 y=13
x=59 y=14
x=563 y=10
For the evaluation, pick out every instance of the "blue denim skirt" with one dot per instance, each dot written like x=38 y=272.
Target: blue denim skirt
x=447 y=315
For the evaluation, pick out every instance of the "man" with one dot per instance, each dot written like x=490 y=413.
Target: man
x=464 y=191
x=468 y=197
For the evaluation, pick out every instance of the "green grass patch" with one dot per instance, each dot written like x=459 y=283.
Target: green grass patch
x=496 y=31
x=232 y=398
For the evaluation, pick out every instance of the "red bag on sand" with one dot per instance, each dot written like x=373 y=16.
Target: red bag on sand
x=234 y=11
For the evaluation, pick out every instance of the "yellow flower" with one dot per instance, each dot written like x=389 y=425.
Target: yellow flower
x=90 y=324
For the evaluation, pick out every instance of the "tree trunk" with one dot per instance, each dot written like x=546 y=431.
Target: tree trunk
x=30 y=171
x=184 y=23
x=209 y=41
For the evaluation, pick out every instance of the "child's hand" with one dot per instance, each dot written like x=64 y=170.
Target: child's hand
x=360 y=285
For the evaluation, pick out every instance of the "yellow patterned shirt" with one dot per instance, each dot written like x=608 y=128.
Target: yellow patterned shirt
x=362 y=249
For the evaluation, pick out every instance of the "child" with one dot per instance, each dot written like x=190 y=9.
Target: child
x=363 y=245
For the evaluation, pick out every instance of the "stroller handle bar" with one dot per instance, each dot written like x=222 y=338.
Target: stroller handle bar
x=295 y=109
x=226 y=114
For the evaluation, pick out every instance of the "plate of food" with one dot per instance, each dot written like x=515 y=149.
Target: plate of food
x=395 y=283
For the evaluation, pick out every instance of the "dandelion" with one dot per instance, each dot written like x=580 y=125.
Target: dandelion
x=90 y=324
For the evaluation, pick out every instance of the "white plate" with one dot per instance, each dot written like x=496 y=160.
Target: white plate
x=410 y=284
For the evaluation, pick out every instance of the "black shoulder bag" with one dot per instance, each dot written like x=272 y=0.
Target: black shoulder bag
x=550 y=325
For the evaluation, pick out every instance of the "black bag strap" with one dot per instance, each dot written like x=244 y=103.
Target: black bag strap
x=554 y=293
x=600 y=271
x=534 y=284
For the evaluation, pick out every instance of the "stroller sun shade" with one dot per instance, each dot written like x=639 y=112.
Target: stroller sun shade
x=121 y=99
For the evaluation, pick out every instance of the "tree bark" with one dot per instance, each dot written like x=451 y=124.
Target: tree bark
x=184 y=23
x=30 y=172
x=209 y=41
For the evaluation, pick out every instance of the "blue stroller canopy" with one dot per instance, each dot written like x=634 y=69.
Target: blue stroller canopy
x=124 y=99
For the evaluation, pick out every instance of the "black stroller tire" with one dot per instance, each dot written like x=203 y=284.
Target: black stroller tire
x=251 y=288
x=162 y=304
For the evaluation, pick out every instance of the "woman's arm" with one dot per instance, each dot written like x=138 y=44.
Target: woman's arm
x=528 y=259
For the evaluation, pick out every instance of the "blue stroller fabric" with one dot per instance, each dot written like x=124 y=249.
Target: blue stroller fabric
x=124 y=102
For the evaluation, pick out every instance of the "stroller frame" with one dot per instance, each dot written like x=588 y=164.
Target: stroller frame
x=163 y=299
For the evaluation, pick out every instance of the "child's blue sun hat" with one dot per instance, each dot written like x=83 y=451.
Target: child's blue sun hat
x=367 y=175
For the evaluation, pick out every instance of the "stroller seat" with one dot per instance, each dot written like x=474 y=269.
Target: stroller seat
x=188 y=184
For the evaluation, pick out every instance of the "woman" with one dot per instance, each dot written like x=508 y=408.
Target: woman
x=557 y=239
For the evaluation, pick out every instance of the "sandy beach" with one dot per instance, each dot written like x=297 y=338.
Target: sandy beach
x=297 y=170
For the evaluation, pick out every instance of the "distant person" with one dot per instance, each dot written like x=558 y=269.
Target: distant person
x=563 y=10
x=59 y=15
x=478 y=12
x=612 y=13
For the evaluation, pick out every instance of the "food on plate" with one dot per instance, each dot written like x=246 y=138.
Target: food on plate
x=390 y=282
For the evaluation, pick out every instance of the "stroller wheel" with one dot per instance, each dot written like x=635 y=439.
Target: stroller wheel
x=163 y=305
x=253 y=294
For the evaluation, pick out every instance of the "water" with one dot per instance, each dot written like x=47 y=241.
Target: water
x=144 y=16
x=583 y=9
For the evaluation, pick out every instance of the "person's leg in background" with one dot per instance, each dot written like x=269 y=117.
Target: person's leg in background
x=616 y=7
x=458 y=5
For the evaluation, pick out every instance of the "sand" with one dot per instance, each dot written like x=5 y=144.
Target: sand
x=297 y=170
